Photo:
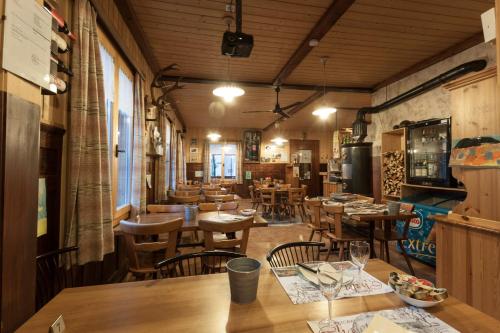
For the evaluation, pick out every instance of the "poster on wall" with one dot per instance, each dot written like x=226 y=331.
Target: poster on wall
x=27 y=36
x=41 y=228
x=193 y=154
x=305 y=156
x=274 y=154
x=252 y=140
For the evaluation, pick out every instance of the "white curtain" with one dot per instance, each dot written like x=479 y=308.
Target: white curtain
x=206 y=163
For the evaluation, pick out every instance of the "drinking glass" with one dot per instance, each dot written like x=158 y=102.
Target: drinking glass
x=360 y=252
x=330 y=281
x=218 y=204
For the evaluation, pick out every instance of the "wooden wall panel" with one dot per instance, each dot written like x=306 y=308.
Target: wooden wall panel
x=19 y=144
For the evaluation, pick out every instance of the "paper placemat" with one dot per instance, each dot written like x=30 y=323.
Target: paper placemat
x=301 y=290
x=414 y=319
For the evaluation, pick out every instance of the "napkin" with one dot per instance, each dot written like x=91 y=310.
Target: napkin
x=381 y=324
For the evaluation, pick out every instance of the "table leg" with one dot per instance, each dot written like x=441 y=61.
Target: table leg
x=372 y=237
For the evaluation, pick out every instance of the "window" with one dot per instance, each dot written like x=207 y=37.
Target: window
x=124 y=149
x=118 y=94
x=223 y=159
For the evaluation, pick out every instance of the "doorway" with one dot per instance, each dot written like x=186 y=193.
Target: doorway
x=304 y=154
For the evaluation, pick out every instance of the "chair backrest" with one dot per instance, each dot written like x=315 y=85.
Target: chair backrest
x=186 y=193
x=165 y=208
x=289 y=254
x=201 y=263
x=54 y=272
x=251 y=190
x=313 y=211
x=219 y=197
x=285 y=186
x=134 y=246
x=209 y=228
x=184 y=200
x=212 y=206
x=295 y=195
x=334 y=215
x=215 y=192
x=268 y=195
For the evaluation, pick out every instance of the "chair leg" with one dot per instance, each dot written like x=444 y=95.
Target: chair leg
x=405 y=255
x=312 y=235
x=329 y=250
x=341 y=251
x=382 y=250
x=387 y=251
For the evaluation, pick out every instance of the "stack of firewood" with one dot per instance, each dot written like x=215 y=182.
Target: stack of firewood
x=394 y=172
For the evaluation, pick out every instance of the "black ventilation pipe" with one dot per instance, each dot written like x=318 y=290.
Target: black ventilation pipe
x=359 y=127
x=238 y=16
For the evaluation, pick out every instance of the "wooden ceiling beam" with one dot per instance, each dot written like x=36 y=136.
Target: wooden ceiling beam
x=132 y=21
x=296 y=109
x=325 y=23
x=267 y=85
x=451 y=51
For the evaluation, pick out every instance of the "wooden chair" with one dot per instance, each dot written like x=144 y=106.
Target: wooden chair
x=186 y=193
x=253 y=196
x=212 y=206
x=54 y=272
x=313 y=216
x=201 y=263
x=219 y=197
x=386 y=236
x=215 y=192
x=268 y=201
x=234 y=244
x=165 y=208
x=142 y=254
x=336 y=233
x=295 y=201
x=289 y=254
x=285 y=186
x=194 y=199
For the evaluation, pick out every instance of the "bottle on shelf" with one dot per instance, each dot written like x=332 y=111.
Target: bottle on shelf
x=61 y=23
x=61 y=67
x=62 y=45
x=58 y=86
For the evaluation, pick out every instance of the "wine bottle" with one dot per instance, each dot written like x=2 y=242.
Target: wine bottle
x=61 y=67
x=58 y=86
x=62 y=45
x=61 y=23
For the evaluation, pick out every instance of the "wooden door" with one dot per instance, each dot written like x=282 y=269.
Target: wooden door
x=313 y=184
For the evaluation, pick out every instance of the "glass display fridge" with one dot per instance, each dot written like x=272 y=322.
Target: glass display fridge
x=428 y=152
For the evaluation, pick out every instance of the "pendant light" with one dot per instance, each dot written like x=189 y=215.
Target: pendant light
x=228 y=92
x=213 y=136
x=278 y=140
x=324 y=111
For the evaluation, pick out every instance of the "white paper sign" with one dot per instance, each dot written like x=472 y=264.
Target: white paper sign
x=26 y=44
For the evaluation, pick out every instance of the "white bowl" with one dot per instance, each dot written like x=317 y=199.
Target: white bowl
x=247 y=212
x=418 y=303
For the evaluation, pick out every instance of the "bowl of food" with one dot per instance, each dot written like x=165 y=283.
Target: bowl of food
x=417 y=292
x=248 y=212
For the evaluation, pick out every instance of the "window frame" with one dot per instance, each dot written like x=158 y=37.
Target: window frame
x=223 y=176
x=120 y=63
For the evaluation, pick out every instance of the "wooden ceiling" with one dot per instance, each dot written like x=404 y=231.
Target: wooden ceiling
x=374 y=40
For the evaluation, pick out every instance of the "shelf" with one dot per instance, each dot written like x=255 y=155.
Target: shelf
x=435 y=188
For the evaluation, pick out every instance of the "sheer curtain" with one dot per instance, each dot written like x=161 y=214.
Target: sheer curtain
x=206 y=163
x=138 y=198
x=89 y=212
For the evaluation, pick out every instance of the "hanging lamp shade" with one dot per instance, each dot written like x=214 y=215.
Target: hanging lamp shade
x=228 y=92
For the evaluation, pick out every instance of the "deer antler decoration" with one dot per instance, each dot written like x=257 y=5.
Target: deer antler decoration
x=165 y=87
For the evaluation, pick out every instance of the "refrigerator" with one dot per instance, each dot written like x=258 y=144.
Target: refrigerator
x=428 y=152
x=421 y=243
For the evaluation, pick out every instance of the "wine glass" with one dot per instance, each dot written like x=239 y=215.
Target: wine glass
x=218 y=204
x=330 y=281
x=360 y=252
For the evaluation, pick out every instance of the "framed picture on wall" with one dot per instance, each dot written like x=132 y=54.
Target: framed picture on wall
x=251 y=145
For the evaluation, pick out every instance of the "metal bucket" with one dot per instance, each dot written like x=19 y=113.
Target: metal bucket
x=393 y=207
x=243 y=279
x=190 y=212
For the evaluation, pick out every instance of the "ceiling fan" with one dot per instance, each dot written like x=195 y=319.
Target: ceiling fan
x=277 y=108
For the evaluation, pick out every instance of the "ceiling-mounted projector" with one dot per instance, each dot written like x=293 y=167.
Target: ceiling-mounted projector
x=237 y=44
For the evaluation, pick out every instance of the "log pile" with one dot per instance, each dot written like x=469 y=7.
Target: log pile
x=393 y=172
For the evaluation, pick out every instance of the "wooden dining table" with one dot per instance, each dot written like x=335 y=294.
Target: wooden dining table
x=192 y=225
x=202 y=304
